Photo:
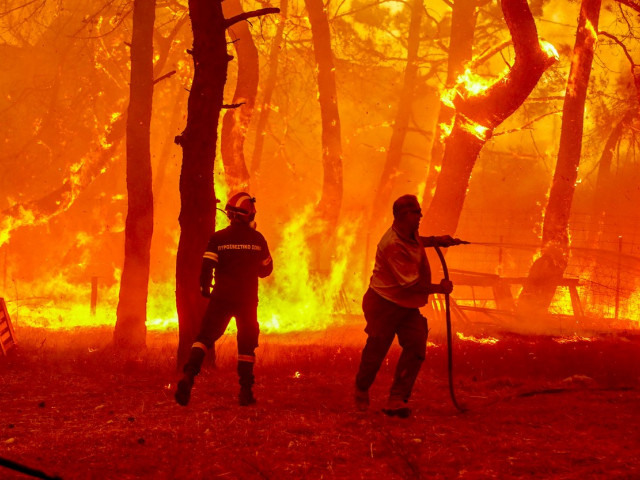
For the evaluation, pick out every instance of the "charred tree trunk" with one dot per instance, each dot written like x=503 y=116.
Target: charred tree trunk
x=477 y=115
x=382 y=195
x=270 y=86
x=236 y=121
x=331 y=200
x=198 y=142
x=463 y=25
x=549 y=268
x=130 y=330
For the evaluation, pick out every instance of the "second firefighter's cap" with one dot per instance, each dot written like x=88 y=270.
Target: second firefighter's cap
x=242 y=204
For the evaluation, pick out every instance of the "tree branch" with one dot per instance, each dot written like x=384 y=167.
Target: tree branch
x=491 y=107
x=232 y=105
x=622 y=45
x=488 y=53
x=528 y=124
x=7 y=12
x=631 y=4
x=166 y=75
x=247 y=15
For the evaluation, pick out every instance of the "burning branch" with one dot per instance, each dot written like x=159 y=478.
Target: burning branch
x=479 y=109
x=532 y=58
x=81 y=174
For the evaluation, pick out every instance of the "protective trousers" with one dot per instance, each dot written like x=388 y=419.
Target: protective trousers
x=214 y=323
x=385 y=320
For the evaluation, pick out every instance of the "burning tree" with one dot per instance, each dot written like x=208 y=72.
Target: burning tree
x=549 y=268
x=479 y=111
x=60 y=153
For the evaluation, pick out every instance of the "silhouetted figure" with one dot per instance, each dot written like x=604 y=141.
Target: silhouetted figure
x=399 y=286
x=239 y=255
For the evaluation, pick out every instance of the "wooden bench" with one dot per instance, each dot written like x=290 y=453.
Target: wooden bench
x=7 y=337
x=501 y=289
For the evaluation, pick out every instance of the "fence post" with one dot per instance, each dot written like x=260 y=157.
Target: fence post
x=94 y=295
x=500 y=269
x=4 y=269
x=618 y=276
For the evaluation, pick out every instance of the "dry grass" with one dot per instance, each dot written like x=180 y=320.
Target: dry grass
x=71 y=407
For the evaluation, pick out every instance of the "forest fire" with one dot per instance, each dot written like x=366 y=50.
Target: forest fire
x=363 y=141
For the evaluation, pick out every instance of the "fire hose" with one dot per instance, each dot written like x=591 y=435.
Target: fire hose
x=447 y=308
x=18 y=467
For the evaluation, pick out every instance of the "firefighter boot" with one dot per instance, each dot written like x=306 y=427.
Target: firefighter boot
x=191 y=369
x=246 y=378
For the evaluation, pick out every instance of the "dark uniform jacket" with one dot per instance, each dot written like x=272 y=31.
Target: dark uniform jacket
x=239 y=254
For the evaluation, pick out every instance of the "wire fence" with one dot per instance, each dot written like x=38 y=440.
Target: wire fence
x=604 y=256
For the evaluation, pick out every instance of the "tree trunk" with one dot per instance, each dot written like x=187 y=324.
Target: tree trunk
x=130 y=330
x=603 y=194
x=236 y=121
x=477 y=115
x=198 y=142
x=548 y=269
x=463 y=25
x=270 y=86
x=165 y=154
x=382 y=197
x=331 y=200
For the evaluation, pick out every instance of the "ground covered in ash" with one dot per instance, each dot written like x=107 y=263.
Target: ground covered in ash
x=537 y=408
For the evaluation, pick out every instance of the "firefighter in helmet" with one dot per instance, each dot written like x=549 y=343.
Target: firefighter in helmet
x=239 y=255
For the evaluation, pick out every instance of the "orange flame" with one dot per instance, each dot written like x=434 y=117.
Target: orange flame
x=294 y=299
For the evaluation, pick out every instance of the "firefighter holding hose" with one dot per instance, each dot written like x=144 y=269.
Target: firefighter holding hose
x=399 y=286
x=239 y=255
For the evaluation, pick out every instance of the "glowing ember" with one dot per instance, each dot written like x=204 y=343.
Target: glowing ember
x=474 y=128
x=485 y=341
x=572 y=339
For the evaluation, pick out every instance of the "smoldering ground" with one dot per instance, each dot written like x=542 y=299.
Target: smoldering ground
x=538 y=407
